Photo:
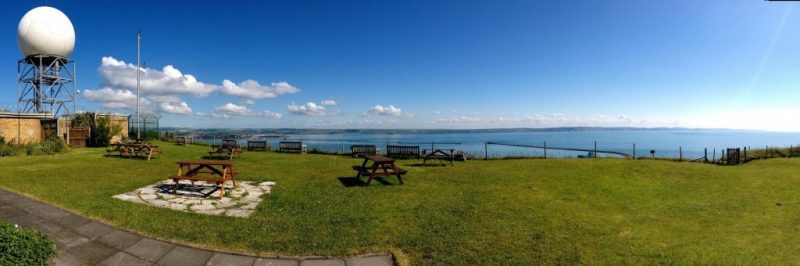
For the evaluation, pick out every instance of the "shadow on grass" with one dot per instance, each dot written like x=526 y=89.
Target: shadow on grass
x=188 y=190
x=221 y=157
x=426 y=164
x=351 y=181
x=113 y=156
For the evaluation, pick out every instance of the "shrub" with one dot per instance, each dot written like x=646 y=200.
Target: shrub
x=7 y=150
x=53 y=144
x=22 y=246
x=33 y=149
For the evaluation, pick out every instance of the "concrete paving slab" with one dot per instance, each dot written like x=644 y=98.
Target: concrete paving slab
x=122 y=258
x=185 y=256
x=7 y=212
x=276 y=262
x=64 y=258
x=48 y=212
x=92 y=252
x=67 y=239
x=222 y=259
x=150 y=249
x=323 y=262
x=370 y=261
x=47 y=228
x=93 y=230
x=26 y=220
x=119 y=239
x=72 y=221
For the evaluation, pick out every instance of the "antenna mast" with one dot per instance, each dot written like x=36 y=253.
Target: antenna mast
x=138 y=70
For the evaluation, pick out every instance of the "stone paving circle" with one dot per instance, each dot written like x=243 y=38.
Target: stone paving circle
x=201 y=197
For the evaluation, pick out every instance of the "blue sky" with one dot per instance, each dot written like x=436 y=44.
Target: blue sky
x=437 y=64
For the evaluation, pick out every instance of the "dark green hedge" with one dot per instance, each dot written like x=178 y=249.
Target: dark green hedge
x=23 y=246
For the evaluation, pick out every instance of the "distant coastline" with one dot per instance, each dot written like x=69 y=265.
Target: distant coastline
x=311 y=131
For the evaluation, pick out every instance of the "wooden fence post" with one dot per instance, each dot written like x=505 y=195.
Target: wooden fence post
x=705 y=155
x=486 y=150
x=680 y=154
x=545 y=149
x=595 y=149
x=714 y=155
x=634 y=151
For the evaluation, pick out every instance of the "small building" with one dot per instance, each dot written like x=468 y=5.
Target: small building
x=24 y=128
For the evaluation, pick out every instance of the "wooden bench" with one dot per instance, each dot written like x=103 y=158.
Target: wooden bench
x=292 y=146
x=183 y=141
x=230 y=143
x=258 y=145
x=363 y=150
x=395 y=151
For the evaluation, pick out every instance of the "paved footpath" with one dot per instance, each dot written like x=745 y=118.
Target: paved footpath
x=81 y=241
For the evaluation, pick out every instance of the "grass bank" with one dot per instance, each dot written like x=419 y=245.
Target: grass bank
x=478 y=212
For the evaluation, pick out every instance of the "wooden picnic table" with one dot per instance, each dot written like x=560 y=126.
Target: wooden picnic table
x=382 y=166
x=134 y=149
x=441 y=155
x=228 y=151
x=218 y=172
x=143 y=150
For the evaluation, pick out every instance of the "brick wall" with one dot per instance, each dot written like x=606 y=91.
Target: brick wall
x=21 y=130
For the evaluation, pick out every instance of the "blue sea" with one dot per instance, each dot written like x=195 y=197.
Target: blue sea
x=664 y=143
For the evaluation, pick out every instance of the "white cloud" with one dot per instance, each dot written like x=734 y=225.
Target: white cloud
x=165 y=87
x=328 y=103
x=181 y=108
x=390 y=110
x=270 y=115
x=229 y=110
x=311 y=109
x=460 y=119
x=756 y=118
x=252 y=90
x=114 y=99
x=167 y=81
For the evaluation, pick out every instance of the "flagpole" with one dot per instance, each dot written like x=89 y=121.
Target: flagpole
x=138 y=69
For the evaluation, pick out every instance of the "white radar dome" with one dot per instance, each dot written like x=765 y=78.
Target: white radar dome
x=45 y=31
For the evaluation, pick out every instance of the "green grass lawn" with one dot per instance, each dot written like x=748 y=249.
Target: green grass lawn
x=478 y=212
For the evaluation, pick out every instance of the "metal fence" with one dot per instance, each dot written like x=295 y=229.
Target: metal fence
x=148 y=124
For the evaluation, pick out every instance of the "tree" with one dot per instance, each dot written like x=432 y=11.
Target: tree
x=104 y=129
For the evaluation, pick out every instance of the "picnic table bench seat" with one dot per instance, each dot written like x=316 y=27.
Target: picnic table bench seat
x=395 y=151
x=228 y=152
x=366 y=170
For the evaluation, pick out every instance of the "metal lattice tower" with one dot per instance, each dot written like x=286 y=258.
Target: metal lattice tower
x=46 y=84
